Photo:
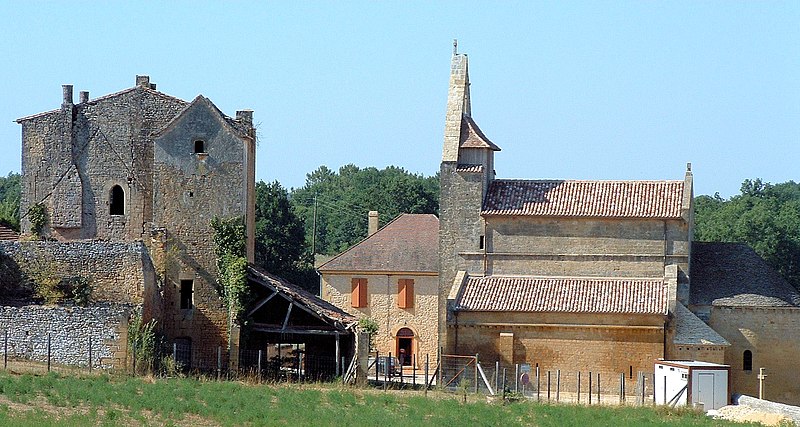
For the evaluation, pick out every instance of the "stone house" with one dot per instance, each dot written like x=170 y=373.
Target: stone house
x=391 y=277
x=596 y=275
x=138 y=175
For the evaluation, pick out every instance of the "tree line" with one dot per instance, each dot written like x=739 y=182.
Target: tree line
x=329 y=214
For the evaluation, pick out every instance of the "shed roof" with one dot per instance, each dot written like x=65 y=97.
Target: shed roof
x=410 y=243
x=323 y=309
x=569 y=294
x=733 y=274
x=690 y=330
x=614 y=199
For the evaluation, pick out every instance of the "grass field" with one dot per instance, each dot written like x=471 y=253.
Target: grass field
x=54 y=399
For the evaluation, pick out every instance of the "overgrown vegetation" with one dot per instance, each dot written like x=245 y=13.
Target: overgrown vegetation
x=105 y=400
x=365 y=324
x=142 y=343
x=9 y=200
x=37 y=215
x=229 y=244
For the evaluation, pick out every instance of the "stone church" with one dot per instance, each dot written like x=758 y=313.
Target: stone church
x=130 y=182
x=597 y=275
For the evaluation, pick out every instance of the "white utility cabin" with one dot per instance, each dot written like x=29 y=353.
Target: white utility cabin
x=692 y=382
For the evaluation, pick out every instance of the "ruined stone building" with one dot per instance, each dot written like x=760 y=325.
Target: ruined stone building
x=130 y=182
x=596 y=275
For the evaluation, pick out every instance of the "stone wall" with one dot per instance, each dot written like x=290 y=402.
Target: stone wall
x=772 y=334
x=72 y=331
x=585 y=247
x=119 y=272
x=570 y=344
x=382 y=308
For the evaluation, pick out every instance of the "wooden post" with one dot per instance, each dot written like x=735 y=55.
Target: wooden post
x=259 y=366
x=338 y=355
x=598 y=388
x=175 y=355
x=414 y=370
x=377 y=371
x=496 y=375
x=504 y=383
x=590 y=387
x=426 y=374
x=516 y=378
x=90 y=352
x=476 y=373
x=579 y=388
x=538 y=382
x=5 y=351
x=133 y=361
x=219 y=362
x=548 y=386
x=558 y=385
x=48 y=352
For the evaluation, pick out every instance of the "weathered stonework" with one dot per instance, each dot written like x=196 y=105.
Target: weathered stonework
x=72 y=331
x=142 y=166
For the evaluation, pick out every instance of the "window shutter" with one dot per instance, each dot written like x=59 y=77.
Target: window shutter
x=405 y=293
x=358 y=297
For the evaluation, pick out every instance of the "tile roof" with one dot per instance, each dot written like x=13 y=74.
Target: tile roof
x=472 y=136
x=469 y=168
x=690 y=330
x=732 y=274
x=410 y=243
x=569 y=295
x=613 y=199
x=314 y=303
x=7 y=233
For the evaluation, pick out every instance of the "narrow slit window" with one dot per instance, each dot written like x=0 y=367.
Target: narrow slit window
x=747 y=360
x=199 y=146
x=187 y=294
x=117 y=201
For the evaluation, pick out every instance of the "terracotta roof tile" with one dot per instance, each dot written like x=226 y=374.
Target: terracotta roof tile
x=469 y=168
x=472 y=136
x=570 y=295
x=410 y=243
x=7 y=233
x=314 y=303
x=615 y=199
x=732 y=274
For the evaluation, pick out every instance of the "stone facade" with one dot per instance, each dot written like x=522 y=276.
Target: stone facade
x=72 y=331
x=142 y=166
x=382 y=307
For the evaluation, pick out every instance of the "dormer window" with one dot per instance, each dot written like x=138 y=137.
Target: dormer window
x=199 y=146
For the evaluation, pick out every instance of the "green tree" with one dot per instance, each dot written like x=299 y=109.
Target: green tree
x=280 y=243
x=9 y=200
x=339 y=201
x=765 y=216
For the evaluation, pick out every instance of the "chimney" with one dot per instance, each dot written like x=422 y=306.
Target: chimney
x=67 y=90
x=245 y=116
x=84 y=96
x=153 y=86
x=372 y=225
x=143 y=81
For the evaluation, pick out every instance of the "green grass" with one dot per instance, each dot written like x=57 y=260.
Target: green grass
x=115 y=400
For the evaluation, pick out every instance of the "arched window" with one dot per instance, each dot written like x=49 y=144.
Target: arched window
x=747 y=360
x=117 y=201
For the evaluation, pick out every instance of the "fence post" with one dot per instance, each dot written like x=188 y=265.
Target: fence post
x=388 y=367
x=548 y=386
x=622 y=388
x=259 y=366
x=300 y=366
x=476 y=373
x=414 y=370
x=644 y=380
x=590 y=387
x=496 y=376
x=558 y=385
x=133 y=360
x=377 y=371
x=598 y=388
x=439 y=362
x=426 y=374
x=516 y=378
x=538 y=384
x=5 y=351
x=344 y=374
x=48 y=352
x=299 y=370
x=219 y=362
x=504 y=383
x=579 y=388
x=654 y=388
x=90 y=352
x=175 y=355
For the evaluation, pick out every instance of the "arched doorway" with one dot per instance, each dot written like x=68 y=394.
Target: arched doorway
x=405 y=346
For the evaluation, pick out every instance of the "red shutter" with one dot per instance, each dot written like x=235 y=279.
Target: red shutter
x=405 y=293
x=358 y=296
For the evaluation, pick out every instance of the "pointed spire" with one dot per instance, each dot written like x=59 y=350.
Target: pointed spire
x=458 y=104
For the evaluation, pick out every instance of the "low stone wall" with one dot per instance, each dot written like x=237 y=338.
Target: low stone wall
x=792 y=412
x=118 y=271
x=72 y=331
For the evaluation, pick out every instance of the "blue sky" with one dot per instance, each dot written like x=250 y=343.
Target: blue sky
x=572 y=90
